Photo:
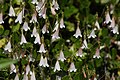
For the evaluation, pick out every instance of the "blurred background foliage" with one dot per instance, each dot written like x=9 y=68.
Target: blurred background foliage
x=86 y=12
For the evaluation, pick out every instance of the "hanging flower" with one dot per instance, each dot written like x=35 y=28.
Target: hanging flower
x=8 y=47
x=33 y=76
x=55 y=35
x=72 y=67
x=34 y=2
x=97 y=54
x=61 y=56
x=37 y=39
x=62 y=23
x=25 y=26
x=25 y=77
x=42 y=12
x=57 y=66
x=23 y=40
x=43 y=62
x=34 y=18
x=34 y=32
x=19 y=17
x=84 y=46
x=27 y=69
x=79 y=52
x=53 y=11
x=107 y=18
x=44 y=29
x=56 y=26
x=97 y=25
x=16 y=77
x=92 y=34
x=78 y=33
x=58 y=78
x=112 y=25
x=11 y=11
x=115 y=30
x=1 y=18
x=42 y=49
x=12 y=68
x=55 y=4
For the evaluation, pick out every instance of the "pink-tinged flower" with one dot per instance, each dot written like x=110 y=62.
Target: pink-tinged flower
x=19 y=17
x=25 y=77
x=84 y=46
x=12 y=68
x=37 y=39
x=79 y=53
x=42 y=12
x=34 y=2
x=44 y=29
x=11 y=11
x=53 y=11
x=25 y=26
x=34 y=18
x=78 y=33
x=55 y=35
x=8 y=47
x=97 y=25
x=56 y=26
x=97 y=54
x=62 y=23
x=42 y=49
x=43 y=62
x=16 y=77
x=55 y=4
x=33 y=76
x=1 y=18
x=92 y=34
x=34 y=32
x=61 y=56
x=72 y=67
x=57 y=66
x=23 y=40
x=27 y=69
x=107 y=18
x=115 y=30
x=112 y=25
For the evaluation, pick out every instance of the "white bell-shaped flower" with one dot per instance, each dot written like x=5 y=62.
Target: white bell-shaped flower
x=107 y=18
x=11 y=11
x=57 y=66
x=62 y=23
x=1 y=18
x=42 y=49
x=25 y=26
x=46 y=63
x=61 y=56
x=92 y=34
x=23 y=40
x=112 y=25
x=37 y=39
x=78 y=33
x=19 y=17
x=72 y=67
x=55 y=35
x=44 y=29
x=34 y=32
x=27 y=69
x=52 y=10
x=97 y=25
x=25 y=77
x=115 y=30
x=84 y=46
x=34 y=2
x=43 y=62
x=42 y=12
x=97 y=54
x=33 y=76
x=12 y=68
x=8 y=47
x=34 y=18
x=79 y=53
x=56 y=26
x=55 y=4
x=16 y=77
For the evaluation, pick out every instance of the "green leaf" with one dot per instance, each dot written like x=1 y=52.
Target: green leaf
x=6 y=62
x=6 y=33
x=70 y=26
x=1 y=29
x=16 y=27
x=2 y=42
x=104 y=1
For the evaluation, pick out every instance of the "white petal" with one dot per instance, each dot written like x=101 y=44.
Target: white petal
x=42 y=49
x=37 y=39
x=62 y=23
x=27 y=69
x=16 y=77
x=23 y=40
x=72 y=67
x=25 y=26
x=33 y=76
x=57 y=66
x=8 y=47
x=1 y=18
x=41 y=61
x=78 y=33
x=19 y=17
x=97 y=25
x=34 y=2
x=34 y=18
x=61 y=57
x=92 y=34
x=12 y=68
x=34 y=33
x=11 y=11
